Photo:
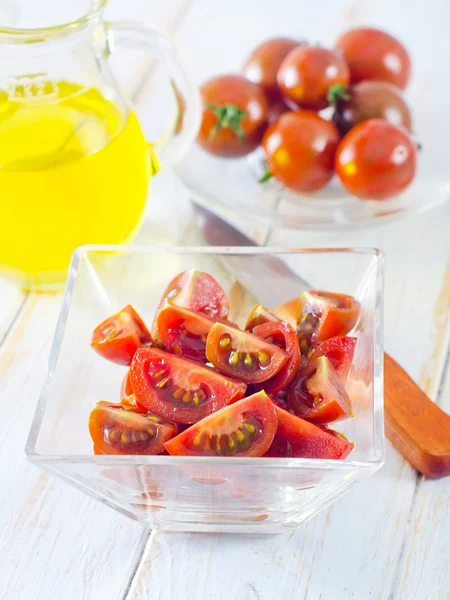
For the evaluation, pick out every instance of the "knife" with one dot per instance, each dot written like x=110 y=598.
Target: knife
x=414 y=424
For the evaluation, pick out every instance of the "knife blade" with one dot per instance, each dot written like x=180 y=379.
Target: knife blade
x=415 y=425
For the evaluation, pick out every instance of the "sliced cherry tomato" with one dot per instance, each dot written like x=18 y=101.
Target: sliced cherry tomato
x=178 y=389
x=197 y=291
x=369 y=100
x=376 y=160
x=297 y=438
x=258 y=316
x=115 y=430
x=245 y=428
x=130 y=403
x=300 y=148
x=339 y=350
x=307 y=73
x=119 y=336
x=374 y=54
x=320 y=315
x=262 y=65
x=183 y=331
x=242 y=355
x=284 y=336
x=318 y=394
x=235 y=114
x=125 y=388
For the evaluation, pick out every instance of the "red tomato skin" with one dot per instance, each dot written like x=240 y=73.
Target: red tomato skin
x=281 y=382
x=263 y=64
x=374 y=54
x=258 y=406
x=198 y=291
x=298 y=438
x=245 y=95
x=300 y=148
x=307 y=73
x=221 y=390
x=119 y=336
x=376 y=160
x=246 y=344
x=339 y=350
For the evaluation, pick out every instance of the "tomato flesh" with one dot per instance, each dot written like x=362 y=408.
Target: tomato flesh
x=199 y=291
x=245 y=428
x=339 y=350
x=259 y=315
x=284 y=336
x=183 y=331
x=118 y=337
x=318 y=395
x=179 y=389
x=115 y=430
x=125 y=388
x=298 y=438
x=243 y=355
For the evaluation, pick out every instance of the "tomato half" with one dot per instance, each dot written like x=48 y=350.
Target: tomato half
x=284 y=336
x=297 y=438
x=183 y=331
x=119 y=336
x=374 y=54
x=300 y=148
x=245 y=428
x=318 y=394
x=125 y=388
x=339 y=350
x=320 y=315
x=197 y=291
x=307 y=73
x=259 y=315
x=262 y=65
x=369 y=100
x=179 y=389
x=376 y=160
x=242 y=355
x=235 y=114
x=115 y=430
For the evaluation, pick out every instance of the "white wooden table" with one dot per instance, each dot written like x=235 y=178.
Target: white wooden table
x=389 y=538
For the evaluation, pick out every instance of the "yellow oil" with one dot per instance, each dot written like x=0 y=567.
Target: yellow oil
x=74 y=169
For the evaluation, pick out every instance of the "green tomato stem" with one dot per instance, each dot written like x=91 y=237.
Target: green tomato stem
x=229 y=116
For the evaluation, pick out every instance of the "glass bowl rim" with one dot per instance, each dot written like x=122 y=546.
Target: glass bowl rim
x=146 y=460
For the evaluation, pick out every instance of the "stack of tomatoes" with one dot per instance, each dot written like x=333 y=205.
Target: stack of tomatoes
x=278 y=103
x=199 y=385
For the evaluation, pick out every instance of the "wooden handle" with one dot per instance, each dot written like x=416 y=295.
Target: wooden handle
x=414 y=424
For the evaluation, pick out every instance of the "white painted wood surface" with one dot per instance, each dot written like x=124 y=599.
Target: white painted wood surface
x=389 y=538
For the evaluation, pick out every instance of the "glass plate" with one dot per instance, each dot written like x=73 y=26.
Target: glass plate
x=230 y=30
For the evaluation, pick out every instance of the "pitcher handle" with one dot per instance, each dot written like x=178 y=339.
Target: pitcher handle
x=186 y=121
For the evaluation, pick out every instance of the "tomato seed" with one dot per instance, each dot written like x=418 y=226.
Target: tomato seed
x=264 y=358
x=225 y=341
x=178 y=393
x=186 y=396
x=162 y=383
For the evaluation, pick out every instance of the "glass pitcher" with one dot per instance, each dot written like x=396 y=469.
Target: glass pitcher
x=75 y=166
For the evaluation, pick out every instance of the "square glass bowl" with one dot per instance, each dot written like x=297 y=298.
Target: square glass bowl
x=193 y=493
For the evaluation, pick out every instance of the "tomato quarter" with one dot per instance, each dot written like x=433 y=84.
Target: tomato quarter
x=119 y=336
x=284 y=336
x=242 y=355
x=245 y=428
x=300 y=148
x=115 y=430
x=125 y=388
x=235 y=115
x=307 y=73
x=318 y=394
x=376 y=160
x=374 y=54
x=258 y=316
x=178 y=389
x=339 y=351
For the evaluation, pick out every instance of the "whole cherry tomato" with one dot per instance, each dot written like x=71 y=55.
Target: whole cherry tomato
x=376 y=160
x=235 y=116
x=307 y=73
x=262 y=65
x=374 y=54
x=369 y=100
x=300 y=148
